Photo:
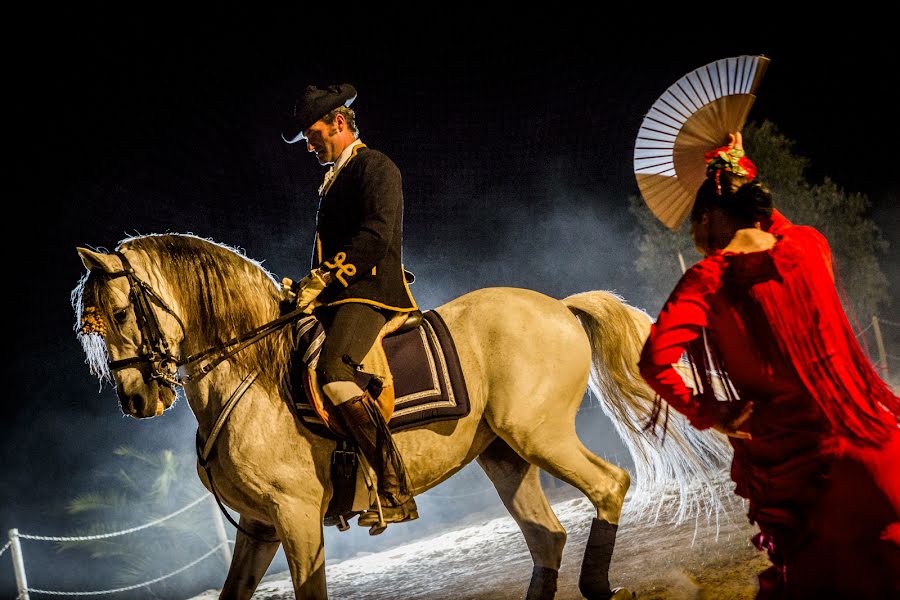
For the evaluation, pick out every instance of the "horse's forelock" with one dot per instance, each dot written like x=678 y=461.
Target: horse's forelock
x=87 y=294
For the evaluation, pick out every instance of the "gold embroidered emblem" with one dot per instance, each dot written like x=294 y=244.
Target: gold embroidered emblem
x=349 y=268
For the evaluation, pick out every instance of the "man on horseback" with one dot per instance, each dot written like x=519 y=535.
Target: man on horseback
x=357 y=282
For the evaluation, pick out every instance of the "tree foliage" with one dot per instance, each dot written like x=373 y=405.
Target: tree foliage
x=856 y=241
x=139 y=488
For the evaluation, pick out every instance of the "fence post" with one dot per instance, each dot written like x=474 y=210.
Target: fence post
x=220 y=531
x=882 y=355
x=18 y=564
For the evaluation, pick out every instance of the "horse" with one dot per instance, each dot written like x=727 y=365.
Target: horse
x=146 y=308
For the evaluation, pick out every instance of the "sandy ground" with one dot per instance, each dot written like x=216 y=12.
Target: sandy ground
x=700 y=559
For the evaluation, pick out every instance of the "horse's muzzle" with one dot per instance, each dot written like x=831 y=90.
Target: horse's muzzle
x=151 y=401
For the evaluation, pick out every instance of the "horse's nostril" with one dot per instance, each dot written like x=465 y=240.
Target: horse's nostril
x=127 y=405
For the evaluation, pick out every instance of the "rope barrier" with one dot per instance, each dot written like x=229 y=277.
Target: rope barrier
x=130 y=587
x=84 y=538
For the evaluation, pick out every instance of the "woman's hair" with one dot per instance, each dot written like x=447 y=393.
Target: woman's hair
x=744 y=201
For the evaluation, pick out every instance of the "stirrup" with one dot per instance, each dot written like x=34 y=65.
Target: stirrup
x=342 y=524
x=378 y=520
x=379 y=527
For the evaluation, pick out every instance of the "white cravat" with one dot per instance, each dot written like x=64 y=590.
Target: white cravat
x=326 y=183
x=331 y=173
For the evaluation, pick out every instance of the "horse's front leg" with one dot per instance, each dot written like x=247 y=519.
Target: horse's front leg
x=299 y=524
x=252 y=557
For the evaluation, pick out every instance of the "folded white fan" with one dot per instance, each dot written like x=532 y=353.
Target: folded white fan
x=693 y=116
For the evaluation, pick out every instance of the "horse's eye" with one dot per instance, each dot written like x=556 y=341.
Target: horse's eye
x=121 y=315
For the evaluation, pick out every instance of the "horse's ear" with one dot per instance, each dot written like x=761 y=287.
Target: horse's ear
x=95 y=261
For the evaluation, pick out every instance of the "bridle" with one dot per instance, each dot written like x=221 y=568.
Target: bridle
x=155 y=351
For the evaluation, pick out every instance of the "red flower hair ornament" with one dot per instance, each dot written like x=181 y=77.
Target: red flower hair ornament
x=729 y=158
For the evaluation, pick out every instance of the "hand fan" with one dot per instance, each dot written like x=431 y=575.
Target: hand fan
x=693 y=116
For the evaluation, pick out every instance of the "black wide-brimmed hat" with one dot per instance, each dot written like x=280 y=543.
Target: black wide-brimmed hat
x=313 y=104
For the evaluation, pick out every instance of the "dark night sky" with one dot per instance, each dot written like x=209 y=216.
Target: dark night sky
x=515 y=146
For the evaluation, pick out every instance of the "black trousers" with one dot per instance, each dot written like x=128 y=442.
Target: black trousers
x=350 y=332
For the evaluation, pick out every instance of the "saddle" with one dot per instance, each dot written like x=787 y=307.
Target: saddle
x=414 y=373
x=374 y=375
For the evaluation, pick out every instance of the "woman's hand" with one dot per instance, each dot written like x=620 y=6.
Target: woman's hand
x=730 y=426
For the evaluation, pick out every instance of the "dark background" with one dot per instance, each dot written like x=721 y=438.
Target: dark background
x=514 y=136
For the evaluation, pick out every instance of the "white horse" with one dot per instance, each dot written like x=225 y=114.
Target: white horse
x=159 y=301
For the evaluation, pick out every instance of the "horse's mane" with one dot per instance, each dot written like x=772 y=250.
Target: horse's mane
x=219 y=291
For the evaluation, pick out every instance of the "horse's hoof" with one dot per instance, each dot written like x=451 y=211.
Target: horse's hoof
x=618 y=593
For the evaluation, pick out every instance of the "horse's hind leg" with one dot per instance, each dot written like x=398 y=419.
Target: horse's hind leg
x=518 y=484
x=250 y=560
x=555 y=447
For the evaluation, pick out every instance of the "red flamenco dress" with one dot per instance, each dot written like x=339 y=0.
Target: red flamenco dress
x=822 y=470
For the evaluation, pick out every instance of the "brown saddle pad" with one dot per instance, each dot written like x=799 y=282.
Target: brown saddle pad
x=428 y=383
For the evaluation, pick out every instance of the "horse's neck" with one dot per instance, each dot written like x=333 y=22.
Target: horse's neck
x=229 y=412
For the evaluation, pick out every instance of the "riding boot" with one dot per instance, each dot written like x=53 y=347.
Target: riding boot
x=362 y=420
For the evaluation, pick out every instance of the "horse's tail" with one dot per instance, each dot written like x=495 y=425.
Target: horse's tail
x=686 y=461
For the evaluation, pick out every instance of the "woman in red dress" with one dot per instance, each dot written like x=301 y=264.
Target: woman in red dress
x=779 y=370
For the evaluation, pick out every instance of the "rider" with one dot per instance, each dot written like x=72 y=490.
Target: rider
x=357 y=282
